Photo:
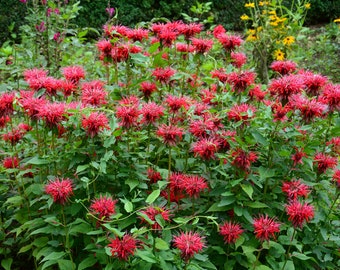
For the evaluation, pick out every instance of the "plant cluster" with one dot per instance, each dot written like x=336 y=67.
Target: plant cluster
x=161 y=150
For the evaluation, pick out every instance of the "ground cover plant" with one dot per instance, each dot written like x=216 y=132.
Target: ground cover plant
x=159 y=148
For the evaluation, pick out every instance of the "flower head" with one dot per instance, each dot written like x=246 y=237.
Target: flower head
x=104 y=207
x=242 y=112
x=153 y=175
x=60 y=190
x=163 y=75
x=151 y=112
x=124 y=247
x=242 y=159
x=73 y=73
x=94 y=123
x=286 y=86
x=10 y=162
x=148 y=88
x=170 y=134
x=229 y=43
x=193 y=185
x=202 y=45
x=189 y=243
x=206 y=148
x=52 y=113
x=151 y=212
x=230 y=231
x=241 y=80
x=93 y=93
x=265 y=227
x=6 y=104
x=325 y=162
x=295 y=189
x=283 y=67
x=299 y=213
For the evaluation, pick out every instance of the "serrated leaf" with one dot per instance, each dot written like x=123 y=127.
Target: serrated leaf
x=153 y=196
x=248 y=189
x=262 y=267
x=300 y=256
x=146 y=256
x=65 y=265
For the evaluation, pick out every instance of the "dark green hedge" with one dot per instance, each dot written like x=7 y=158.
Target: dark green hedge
x=226 y=12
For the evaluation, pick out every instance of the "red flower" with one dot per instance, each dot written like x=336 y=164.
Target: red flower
x=170 y=134
x=105 y=47
x=242 y=112
x=242 y=159
x=286 y=86
x=283 y=67
x=124 y=247
x=154 y=176
x=299 y=213
x=191 y=29
x=230 y=231
x=238 y=59
x=295 y=189
x=10 y=162
x=202 y=45
x=336 y=177
x=297 y=156
x=94 y=123
x=335 y=142
x=151 y=112
x=175 y=103
x=241 y=80
x=331 y=96
x=189 y=243
x=4 y=120
x=256 y=93
x=52 y=113
x=104 y=207
x=67 y=87
x=128 y=111
x=73 y=73
x=151 y=212
x=309 y=108
x=184 y=48
x=163 y=75
x=167 y=36
x=138 y=34
x=280 y=112
x=220 y=75
x=200 y=128
x=265 y=227
x=120 y=52
x=229 y=43
x=193 y=185
x=16 y=134
x=314 y=83
x=218 y=30
x=117 y=31
x=148 y=88
x=60 y=190
x=325 y=162
x=34 y=73
x=93 y=93
x=6 y=104
x=206 y=148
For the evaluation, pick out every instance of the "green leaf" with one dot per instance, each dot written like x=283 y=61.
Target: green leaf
x=262 y=267
x=226 y=201
x=82 y=168
x=146 y=256
x=153 y=196
x=161 y=244
x=37 y=161
x=248 y=189
x=266 y=173
x=128 y=206
x=6 y=263
x=132 y=183
x=255 y=204
x=289 y=265
x=65 y=265
x=25 y=248
x=54 y=256
x=86 y=263
x=300 y=256
x=216 y=208
x=259 y=138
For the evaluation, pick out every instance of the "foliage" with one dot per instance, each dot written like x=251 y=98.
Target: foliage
x=157 y=148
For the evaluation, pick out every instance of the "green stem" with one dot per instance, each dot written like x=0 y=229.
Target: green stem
x=257 y=257
x=331 y=208
x=287 y=253
x=169 y=173
x=67 y=238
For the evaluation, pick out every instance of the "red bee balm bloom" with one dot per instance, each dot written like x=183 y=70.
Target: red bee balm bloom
x=123 y=248
x=283 y=67
x=163 y=75
x=6 y=104
x=94 y=123
x=241 y=112
x=202 y=45
x=52 y=113
x=153 y=175
x=325 y=162
x=60 y=190
x=299 y=213
x=104 y=207
x=193 y=185
x=73 y=73
x=10 y=162
x=336 y=178
x=295 y=189
x=170 y=134
x=243 y=159
x=206 y=148
x=230 y=231
x=265 y=228
x=151 y=112
x=93 y=93
x=189 y=243
x=151 y=212
x=147 y=88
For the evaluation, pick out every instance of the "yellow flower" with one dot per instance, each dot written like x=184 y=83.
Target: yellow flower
x=275 y=23
x=279 y=55
x=337 y=20
x=251 y=38
x=258 y=29
x=245 y=17
x=250 y=5
x=307 y=6
x=263 y=3
x=288 y=40
x=272 y=12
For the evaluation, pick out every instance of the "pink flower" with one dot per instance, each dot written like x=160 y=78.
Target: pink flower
x=94 y=123
x=60 y=190
x=93 y=93
x=314 y=83
x=163 y=75
x=148 y=88
x=331 y=96
x=31 y=104
x=193 y=185
x=52 y=113
x=297 y=156
x=230 y=231
x=104 y=207
x=220 y=74
x=286 y=86
x=124 y=247
x=238 y=59
x=265 y=227
x=228 y=42
x=218 y=30
x=241 y=80
x=295 y=189
x=34 y=73
x=299 y=213
x=255 y=93
x=242 y=112
x=128 y=111
x=191 y=29
x=138 y=34
x=189 y=243
x=167 y=36
x=170 y=134
x=335 y=143
x=6 y=104
x=175 y=103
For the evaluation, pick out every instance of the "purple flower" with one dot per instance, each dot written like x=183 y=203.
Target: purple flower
x=110 y=11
